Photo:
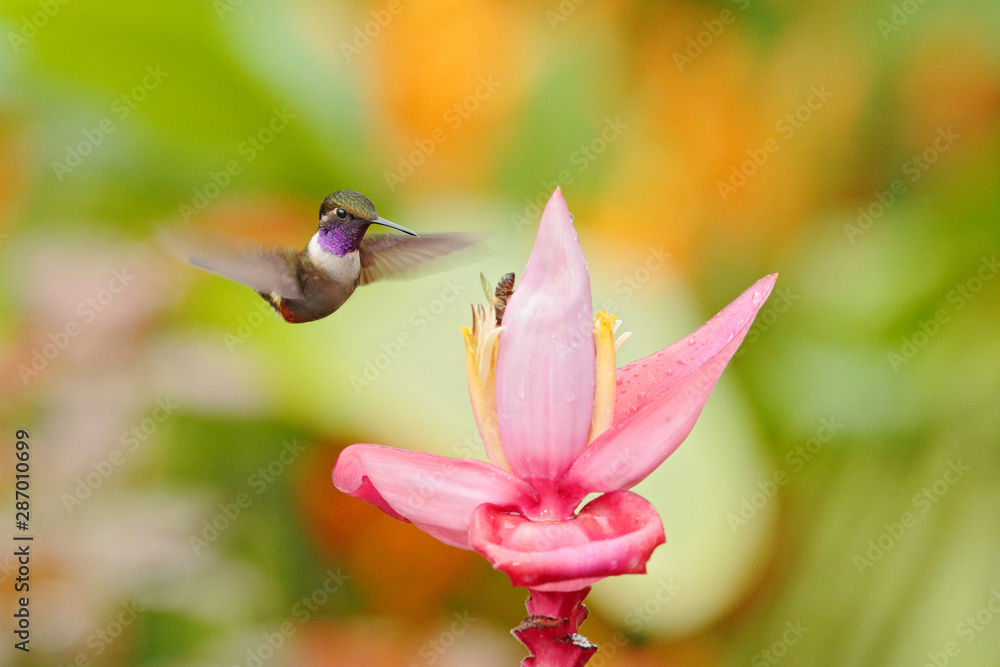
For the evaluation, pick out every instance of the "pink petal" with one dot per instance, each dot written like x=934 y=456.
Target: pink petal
x=435 y=493
x=660 y=397
x=639 y=379
x=613 y=534
x=545 y=361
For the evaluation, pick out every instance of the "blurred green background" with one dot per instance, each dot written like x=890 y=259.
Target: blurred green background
x=836 y=504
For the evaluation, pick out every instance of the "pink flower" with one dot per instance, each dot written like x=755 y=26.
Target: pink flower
x=558 y=422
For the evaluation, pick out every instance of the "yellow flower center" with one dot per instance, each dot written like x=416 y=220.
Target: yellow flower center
x=480 y=370
x=605 y=327
x=481 y=343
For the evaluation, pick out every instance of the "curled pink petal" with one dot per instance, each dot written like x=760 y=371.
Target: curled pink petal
x=660 y=397
x=613 y=534
x=435 y=493
x=545 y=359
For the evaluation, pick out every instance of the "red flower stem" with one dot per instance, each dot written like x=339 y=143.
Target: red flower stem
x=550 y=630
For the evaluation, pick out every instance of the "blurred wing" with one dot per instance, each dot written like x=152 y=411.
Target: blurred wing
x=267 y=270
x=399 y=256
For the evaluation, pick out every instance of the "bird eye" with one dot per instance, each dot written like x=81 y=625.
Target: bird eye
x=341 y=213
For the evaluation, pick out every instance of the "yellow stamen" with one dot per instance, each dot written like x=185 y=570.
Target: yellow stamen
x=480 y=370
x=605 y=326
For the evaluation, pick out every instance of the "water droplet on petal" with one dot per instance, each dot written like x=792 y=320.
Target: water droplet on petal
x=758 y=298
x=692 y=340
x=641 y=396
x=618 y=382
x=670 y=371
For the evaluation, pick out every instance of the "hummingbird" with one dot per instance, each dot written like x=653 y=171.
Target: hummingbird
x=309 y=284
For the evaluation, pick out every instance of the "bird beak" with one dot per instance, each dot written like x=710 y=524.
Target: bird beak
x=382 y=221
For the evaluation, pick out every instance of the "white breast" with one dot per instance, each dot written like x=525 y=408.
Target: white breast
x=336 y=268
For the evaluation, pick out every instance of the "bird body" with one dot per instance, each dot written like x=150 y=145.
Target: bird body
x=324 y=279
x=309 y=284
